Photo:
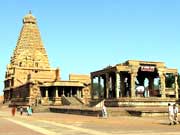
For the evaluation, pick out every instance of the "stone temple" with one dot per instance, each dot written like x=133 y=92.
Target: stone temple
x=29 y=79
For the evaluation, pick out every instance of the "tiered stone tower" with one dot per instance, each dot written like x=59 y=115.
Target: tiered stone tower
x=29 y=62
x=30 y=51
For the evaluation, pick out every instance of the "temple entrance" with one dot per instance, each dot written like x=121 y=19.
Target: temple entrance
x=147 y=81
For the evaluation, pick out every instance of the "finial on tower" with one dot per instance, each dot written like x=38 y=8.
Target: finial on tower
x=30 y=12
x=29 y=18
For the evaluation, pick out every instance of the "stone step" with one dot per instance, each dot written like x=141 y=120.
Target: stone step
x=73 y=101
x=40 y=108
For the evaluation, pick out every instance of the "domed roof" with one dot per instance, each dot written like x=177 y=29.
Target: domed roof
x=29 y=18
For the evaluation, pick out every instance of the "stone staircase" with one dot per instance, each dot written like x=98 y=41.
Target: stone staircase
x=71 y=101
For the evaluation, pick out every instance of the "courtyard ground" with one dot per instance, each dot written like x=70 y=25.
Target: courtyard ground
x=67 y=124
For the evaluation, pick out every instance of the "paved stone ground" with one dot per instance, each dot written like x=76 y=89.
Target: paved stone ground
x=66 y=124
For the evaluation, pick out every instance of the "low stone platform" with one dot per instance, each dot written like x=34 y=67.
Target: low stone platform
x=112 y=111
x=76 y=110
x=148 y=112
x=140 y=102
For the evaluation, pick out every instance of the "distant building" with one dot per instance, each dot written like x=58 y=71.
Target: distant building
x=29 y=78
x=135 y=83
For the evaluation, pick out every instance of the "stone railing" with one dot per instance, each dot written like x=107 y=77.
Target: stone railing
x=65 y=100
x=78 y=99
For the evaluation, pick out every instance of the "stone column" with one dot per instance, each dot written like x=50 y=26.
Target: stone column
x=80 y=93
x=92 y=90
x=9 y=94
x=77 y=92
x=151 y=83
x=56 y=90
x=99 y=87
x=9 y=81
x=71 y=92
x=132 y=89
x=176 y=86
x=117 y=84
x=57 y=99
x=63 y=91
x=107 y=85
x=163 y=86
x=151 y=86
x=45 y=100
x=46 y=94
x=104 y=86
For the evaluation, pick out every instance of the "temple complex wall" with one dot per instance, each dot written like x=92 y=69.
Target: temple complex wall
x=79 y=77
x=22 y=91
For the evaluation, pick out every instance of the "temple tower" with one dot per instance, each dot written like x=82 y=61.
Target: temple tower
x=29 y=62
x=29 y=51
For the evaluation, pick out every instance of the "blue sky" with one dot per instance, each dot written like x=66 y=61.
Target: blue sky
x=81 y=36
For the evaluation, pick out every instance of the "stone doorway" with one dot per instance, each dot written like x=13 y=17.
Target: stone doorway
x=147 y=77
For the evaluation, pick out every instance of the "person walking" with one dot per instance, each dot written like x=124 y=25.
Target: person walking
x=13 y=110
x=27 y=109
x=30 y=110
x=175 y=110
x=21 y=110
x=104 y=111
x=170 y=114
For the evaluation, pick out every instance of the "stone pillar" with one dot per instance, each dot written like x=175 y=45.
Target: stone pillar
x=80 y=93
x=163 y=86
x=47 y=95
x=117 y=84
x=176 y=86
x=99 y=87
x=77 y=92
x=57 y=99
x=9 y=81
x=9 y=94
x=132 y=90
x=104 y=86
x=92 y=91
x=107 y=85
x=63 y=91
x=71 y=92
x=150 y=88
x=56 y=90
x=45 y=100
x=151 y=83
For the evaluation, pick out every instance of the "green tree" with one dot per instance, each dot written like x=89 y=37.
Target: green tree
x=170 y=79
x=179 y=80
x=97 y=89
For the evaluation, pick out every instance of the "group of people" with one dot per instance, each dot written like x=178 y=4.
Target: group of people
x=21 y=110
x=173 y=114
x=29 y=111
